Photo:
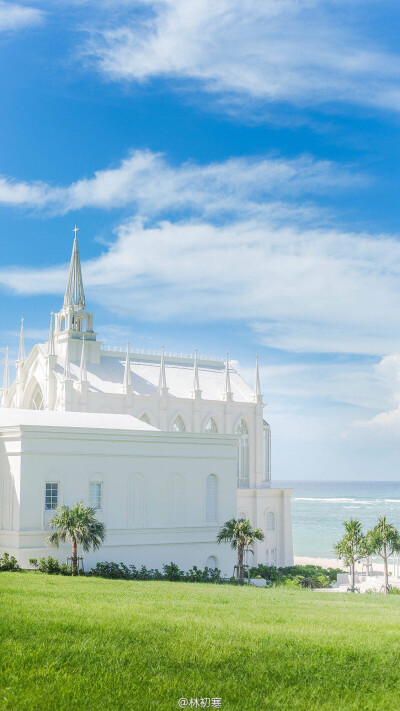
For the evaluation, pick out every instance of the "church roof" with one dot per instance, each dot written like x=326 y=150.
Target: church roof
x=15 y=417
x=108 y=376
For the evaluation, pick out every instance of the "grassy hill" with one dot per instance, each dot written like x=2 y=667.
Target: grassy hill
x=88 y=643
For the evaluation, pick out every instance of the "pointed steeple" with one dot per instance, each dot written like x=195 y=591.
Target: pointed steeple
x=83 y=370
x=162 y=382
x=228 y=391
x=127 y=371
x=67 y=365
x=74 y=294
x=51 y=349
x=21 y=349
x=6 y=376
x=196 y=383
x=257 y=388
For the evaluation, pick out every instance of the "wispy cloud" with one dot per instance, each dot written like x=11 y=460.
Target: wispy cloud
x=16 y=17
x=318 y=291
x=146 y=180
x=306 y=52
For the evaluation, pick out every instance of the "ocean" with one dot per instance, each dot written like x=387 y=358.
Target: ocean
x=320 y=507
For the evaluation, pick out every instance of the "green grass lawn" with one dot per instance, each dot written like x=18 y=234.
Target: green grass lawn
x=88 y=643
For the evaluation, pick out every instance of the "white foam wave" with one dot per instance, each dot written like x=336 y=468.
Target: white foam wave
x=330 y=500
x=343 y=500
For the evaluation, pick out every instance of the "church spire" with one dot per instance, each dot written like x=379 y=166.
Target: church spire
x=6 y=376
x=257 y=388
x=127 y=371
x=21 y=349
x=228 y=391
x=83 y=370
x=67 y=365
x=162 y=382
x=74 y=294
x=196 y=383
x=51 y=348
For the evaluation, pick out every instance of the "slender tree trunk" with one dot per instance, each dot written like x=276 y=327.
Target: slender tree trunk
x=240 y=563
x=385 y=569
x=74 y=557
x=353 y=571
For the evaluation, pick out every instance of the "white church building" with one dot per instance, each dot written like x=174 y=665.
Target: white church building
x=165 y=447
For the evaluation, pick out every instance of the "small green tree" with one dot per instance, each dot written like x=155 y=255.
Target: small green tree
x=352 y=547
x=384 y=540
x=78 y=525
x=240 y=534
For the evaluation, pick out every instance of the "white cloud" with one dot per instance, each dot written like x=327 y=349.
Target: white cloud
x=386 y=423
x=146 y=180
x=318 y=291
x=16 y=17
x=301 y=51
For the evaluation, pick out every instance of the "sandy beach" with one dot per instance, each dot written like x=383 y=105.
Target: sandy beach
x=323 y=562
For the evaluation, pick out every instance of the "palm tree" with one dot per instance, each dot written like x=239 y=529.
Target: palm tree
x=242 y=537
x=384 y=540
x=352 y=547
x=78 y=525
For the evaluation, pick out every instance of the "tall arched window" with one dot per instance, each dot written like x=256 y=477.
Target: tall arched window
x=267 y=451
x=243 y=465
x=138 y=501
x=211 y=498
x=36 y=402
x=175 y=503
x=179 y=425
x=211 y=426
x=211 y=562
x=270 y=521
x=145 y=418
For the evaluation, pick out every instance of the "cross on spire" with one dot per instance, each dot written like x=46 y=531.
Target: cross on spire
x=75 y=230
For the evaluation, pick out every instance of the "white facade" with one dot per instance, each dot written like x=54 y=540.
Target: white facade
x=189 y=431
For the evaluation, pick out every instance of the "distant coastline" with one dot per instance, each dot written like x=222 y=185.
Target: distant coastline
x=320 y=507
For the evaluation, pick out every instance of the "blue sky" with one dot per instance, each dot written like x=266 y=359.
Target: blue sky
x=233 y=170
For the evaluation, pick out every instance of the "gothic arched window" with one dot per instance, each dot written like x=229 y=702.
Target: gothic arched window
x=211 y=498
x=243 y=464
x=36 y=402
x=270 y=521
x=211 y=562
x=179 y=425
x=145 y=418
x=211 y=426
x=267 y=451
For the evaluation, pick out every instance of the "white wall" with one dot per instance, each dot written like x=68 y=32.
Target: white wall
x=74 y=457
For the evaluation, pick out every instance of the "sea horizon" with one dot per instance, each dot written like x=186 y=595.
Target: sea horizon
x=319 y=509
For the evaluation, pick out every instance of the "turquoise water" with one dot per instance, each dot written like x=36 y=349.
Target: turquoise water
x=319 y=509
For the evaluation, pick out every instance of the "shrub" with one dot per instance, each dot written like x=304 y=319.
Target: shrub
x=51 y=566
x=311 y=576
x=171 y=572
x=9 y=563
